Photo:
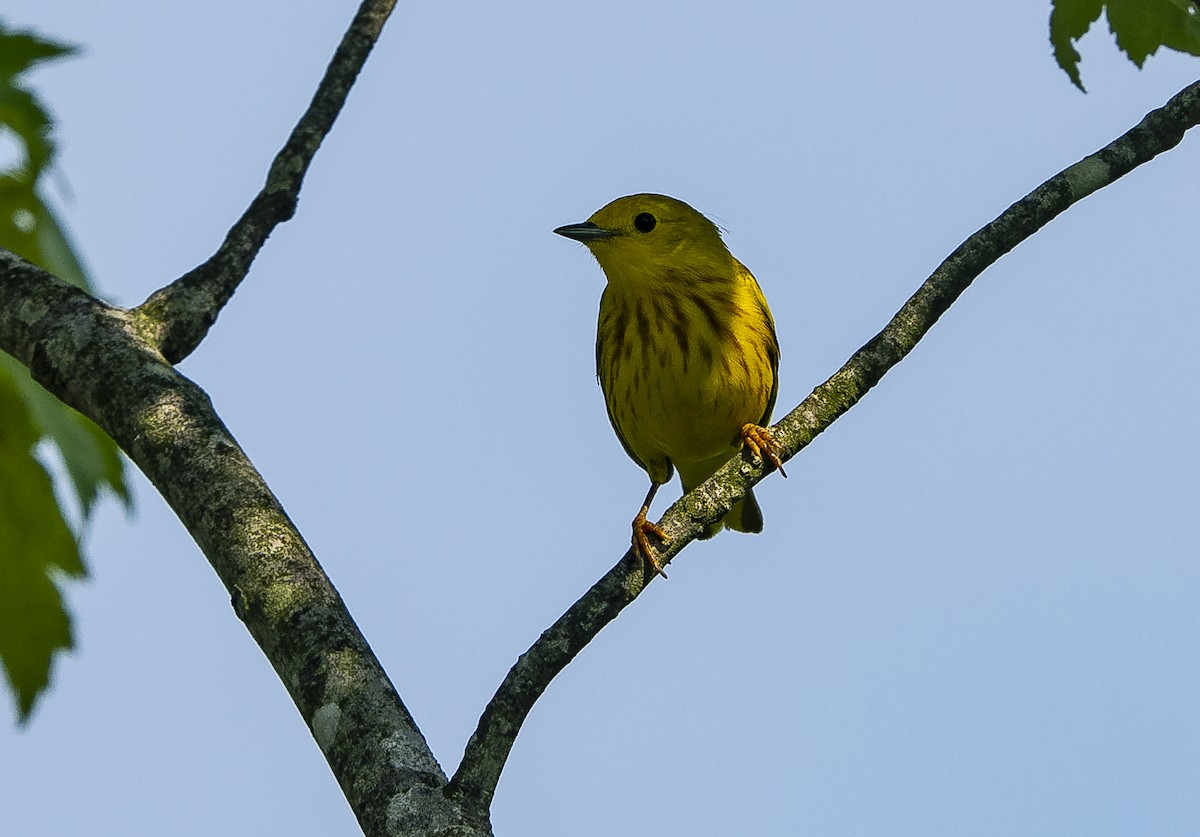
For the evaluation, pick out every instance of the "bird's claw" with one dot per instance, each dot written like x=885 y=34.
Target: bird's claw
x=642 y=529
x=763 y=445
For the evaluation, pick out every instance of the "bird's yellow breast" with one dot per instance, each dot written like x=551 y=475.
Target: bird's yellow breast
x=685 y=360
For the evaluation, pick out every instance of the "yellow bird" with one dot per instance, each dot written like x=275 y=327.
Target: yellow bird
x=686 y=351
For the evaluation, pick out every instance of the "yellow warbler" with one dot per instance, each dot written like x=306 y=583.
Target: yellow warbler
x=686 y=351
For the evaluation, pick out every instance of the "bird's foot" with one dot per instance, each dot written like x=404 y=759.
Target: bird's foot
x=642 y=530
x=763 y=445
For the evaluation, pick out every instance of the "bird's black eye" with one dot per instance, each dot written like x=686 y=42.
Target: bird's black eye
x=644 y=222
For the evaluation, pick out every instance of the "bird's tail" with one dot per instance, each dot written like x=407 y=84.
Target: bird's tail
x=745 y=516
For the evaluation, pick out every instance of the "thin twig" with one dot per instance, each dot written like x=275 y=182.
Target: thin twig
x=486 y=752
x=177 y=317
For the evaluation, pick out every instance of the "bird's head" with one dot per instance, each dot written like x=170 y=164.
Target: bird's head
x=644 y=239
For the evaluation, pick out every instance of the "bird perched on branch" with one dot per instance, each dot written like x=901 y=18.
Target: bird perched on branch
x=686 y=351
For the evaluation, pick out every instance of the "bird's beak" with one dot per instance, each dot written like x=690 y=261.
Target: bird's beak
x=585 y=232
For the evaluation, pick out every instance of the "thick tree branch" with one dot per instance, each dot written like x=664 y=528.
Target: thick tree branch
x=91 y=356
x=486 y=752
x=176 y=318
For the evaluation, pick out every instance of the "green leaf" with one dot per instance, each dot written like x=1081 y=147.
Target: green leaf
x=1140 y=28
x=20 y=49
x=90 y=457
x=53 y=249
x=36 y=548
x=23 y=114
x=20 y=111
x=29 y=228
x=1069 y=21
x=21 y=210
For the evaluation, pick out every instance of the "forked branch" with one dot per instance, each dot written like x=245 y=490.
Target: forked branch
x=115 y=366
x=177 y=317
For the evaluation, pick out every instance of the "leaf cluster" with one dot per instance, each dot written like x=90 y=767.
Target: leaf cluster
x=38 y=546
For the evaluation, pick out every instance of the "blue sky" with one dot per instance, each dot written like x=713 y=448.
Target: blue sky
x=973 y=609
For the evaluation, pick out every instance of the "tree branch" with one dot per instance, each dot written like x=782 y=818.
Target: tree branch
x=177 y=317
x=91 y=356
x=475 y=781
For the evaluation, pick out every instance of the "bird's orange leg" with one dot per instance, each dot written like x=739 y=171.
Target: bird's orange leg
x=643 y=528
x=763 y=445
